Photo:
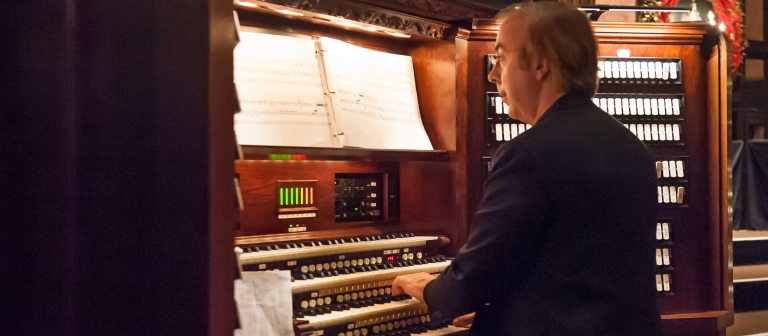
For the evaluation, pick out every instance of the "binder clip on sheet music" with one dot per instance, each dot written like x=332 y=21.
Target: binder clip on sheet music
x=298 y=90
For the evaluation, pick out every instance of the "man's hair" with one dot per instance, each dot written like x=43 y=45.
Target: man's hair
x=561 y=34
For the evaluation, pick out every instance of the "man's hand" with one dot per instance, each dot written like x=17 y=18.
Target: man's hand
x=464 y=320
x=412 y=284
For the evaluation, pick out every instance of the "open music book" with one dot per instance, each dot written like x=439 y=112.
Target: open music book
x=321 y=92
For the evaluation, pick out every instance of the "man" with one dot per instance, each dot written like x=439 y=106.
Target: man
x=562 y=243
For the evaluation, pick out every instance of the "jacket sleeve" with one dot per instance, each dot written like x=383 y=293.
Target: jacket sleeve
x=503 y=239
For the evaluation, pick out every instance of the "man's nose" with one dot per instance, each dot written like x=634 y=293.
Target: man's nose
x=492 y=75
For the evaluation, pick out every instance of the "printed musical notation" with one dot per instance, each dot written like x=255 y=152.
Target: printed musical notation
x=281 y=93
x=321 y=92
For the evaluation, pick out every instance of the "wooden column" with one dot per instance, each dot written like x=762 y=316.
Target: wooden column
x=117 y=183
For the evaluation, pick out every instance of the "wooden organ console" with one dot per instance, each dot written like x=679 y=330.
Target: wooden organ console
x=416 y=206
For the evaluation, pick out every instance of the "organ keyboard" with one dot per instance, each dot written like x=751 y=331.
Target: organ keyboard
x=343 y=286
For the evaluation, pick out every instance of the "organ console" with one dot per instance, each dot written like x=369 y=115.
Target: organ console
x=375 y=214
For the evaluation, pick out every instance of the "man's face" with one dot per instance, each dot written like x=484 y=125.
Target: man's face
x=514 y=79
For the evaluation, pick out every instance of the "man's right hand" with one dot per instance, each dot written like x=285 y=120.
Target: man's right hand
x=464 y=320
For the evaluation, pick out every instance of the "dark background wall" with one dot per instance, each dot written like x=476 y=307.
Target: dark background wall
x=117 y=215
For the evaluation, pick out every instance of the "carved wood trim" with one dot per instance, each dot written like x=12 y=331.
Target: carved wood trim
x=435 y=9
x=365 y=13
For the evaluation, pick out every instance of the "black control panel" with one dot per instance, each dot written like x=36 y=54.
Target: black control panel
x=359 y=197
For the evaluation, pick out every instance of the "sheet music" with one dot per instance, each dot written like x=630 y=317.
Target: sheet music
x=281 y=96
x=264 y=303
x=374 y=97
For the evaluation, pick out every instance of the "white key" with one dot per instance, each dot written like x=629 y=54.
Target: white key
x=665 y=167
x=624 y=106
x=647 y=131
x=604 y=104
x=638 y=73
x=608 y=72
x=664 y=195
x=622 y=69
x=672 y=195
x=498 y=104
x=676 y=106
x=507 y=135
x=659 y=234
x=505 y=107
x=665 y=256
x=520 y=128
x=499 y=132
x=659 y=259
x=633 y=106
x=654 y=107
x=600 y=66
x=449 y=330
x=659 y=73
x=660 y=193
x=248 y=258
x=673 y=70
x=353 y=314
x=652 y=70
x=665 y=231
x=665 y=71
x=676 y=132
x=679 y=166
x=644 y=69
x=611 y=109
x=667 y=282
x=668 y=128
x=654 y=132
x=615 y=69
x=646 y=106
x=513 y=131
x=659 y=283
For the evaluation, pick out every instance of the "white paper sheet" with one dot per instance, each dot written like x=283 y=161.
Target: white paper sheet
x=374 y=97
x=264 y=303
x=280 y=90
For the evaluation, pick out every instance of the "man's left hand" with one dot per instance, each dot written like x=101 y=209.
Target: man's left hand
x=412 y=284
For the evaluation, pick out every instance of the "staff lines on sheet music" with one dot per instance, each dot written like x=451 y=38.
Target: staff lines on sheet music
x=265 y=71
x=288 y=102
x=377 y=115
x=261 y=82
x=282 y=112
x=382 y=83
x=281 y=122
x=388 y=105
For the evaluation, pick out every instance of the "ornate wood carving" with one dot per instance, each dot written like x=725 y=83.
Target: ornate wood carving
x=434 y=9
x=371 y=15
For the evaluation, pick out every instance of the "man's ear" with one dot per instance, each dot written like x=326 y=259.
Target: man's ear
x=542 y=68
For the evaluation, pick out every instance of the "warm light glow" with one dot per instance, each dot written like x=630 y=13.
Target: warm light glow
x=398 y=34
x=368 y=28
x=623 y=53
x=722 y=26
x=345 y=24
x=288 y=12
x=248 y=4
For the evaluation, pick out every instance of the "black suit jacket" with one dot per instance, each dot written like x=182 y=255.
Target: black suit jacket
x=562 y=243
